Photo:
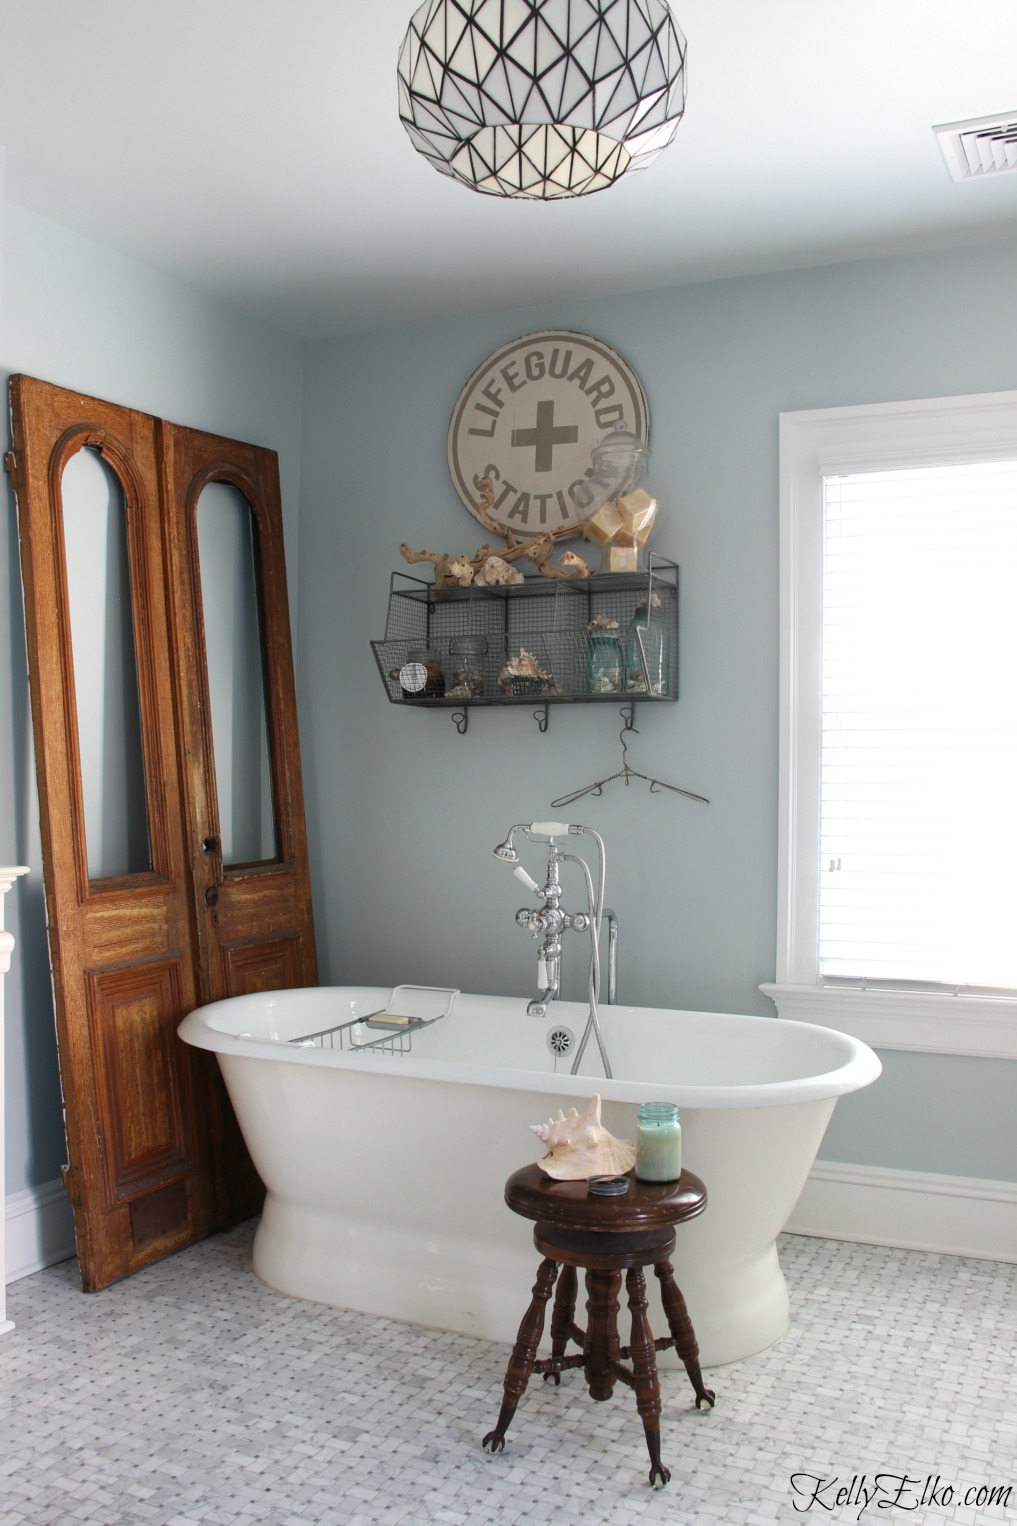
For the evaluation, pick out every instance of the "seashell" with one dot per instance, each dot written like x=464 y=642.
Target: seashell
x=495 y=571
x=523 y=666
x=602 y=622
x=461 y=568
x=578 y=1146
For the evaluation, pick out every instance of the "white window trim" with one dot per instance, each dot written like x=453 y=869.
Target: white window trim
x=814 y=443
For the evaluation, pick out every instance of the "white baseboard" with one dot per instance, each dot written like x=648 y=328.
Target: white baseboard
x=913 y=1210
x=40 y=1229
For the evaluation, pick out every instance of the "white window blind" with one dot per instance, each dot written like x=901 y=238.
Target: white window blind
x=918 y=837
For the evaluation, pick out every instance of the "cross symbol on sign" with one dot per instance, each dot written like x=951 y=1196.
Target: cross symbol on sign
x=545 y=436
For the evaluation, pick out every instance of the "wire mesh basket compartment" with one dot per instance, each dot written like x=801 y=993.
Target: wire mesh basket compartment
x=543 y=639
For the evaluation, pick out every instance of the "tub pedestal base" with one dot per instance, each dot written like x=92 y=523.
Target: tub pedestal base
x=471 y=1285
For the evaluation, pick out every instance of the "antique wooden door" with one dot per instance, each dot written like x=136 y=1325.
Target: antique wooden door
x=243 y=790
x=243 y=795
x=137 y=934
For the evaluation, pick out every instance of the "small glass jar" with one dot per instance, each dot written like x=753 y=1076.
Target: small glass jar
x=467 y=654
x=658 y=1142
x=603 y=664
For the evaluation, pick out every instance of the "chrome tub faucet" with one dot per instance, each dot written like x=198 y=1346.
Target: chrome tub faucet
x=548 y=922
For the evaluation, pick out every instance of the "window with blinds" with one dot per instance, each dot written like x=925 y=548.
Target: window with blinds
x=918 y=786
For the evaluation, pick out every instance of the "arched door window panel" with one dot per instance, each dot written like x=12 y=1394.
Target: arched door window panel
x=110 y=750
x=234 y=656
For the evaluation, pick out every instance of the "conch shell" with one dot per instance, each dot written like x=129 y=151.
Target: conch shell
x=523 y=666
x=579 y=1146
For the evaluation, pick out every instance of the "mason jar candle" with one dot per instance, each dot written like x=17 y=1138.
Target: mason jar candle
x=658 y=1142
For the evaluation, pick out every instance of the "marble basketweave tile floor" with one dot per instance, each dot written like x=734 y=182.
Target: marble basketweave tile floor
x=191 y=1393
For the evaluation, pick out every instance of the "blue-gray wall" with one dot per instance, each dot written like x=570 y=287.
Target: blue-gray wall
x=403 y=811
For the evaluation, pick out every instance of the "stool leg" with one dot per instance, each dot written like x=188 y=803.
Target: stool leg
x=682 y=1331
x=644 y=1371
x=602 y=1343
x=524 y=1354
x=562 y=1315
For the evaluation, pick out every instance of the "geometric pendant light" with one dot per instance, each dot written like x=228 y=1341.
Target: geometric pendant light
x=541 y=98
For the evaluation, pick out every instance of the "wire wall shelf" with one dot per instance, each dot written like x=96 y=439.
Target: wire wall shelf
x=544 y=641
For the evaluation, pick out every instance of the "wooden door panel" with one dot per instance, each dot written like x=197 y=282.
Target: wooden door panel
x=128 y=917
x=144 y=1094
x=264 y=964
x=160 y=1222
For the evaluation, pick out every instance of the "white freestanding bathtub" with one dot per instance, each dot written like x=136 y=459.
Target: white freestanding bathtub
x=384 y=1171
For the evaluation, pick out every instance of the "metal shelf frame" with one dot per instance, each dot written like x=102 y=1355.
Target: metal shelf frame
x=547 y=617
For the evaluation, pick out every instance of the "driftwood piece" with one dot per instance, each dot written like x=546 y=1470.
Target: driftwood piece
x=460 y=570
x=438 y=559
x=572 y=567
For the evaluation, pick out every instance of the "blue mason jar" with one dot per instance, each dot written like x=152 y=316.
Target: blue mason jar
x=603 y=664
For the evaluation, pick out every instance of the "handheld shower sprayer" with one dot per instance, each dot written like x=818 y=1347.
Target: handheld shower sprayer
x=506 y=853
x=534 y=829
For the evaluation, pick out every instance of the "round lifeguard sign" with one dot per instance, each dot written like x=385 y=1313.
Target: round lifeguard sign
x=529 y=419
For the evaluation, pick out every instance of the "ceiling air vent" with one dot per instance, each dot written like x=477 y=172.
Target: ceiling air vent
x=983 y=146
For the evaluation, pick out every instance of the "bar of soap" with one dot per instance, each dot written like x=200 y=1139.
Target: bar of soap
x=605 y=524
x=638 y=510
x=621 y=559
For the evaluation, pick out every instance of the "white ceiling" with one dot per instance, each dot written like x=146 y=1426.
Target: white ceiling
x=253 y=149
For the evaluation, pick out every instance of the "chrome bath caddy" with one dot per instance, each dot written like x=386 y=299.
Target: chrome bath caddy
x=387 y=1031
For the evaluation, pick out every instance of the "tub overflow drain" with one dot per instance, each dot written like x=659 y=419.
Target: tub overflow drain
x=561 y=1040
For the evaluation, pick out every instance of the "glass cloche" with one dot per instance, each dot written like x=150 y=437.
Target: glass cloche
x=621 y=516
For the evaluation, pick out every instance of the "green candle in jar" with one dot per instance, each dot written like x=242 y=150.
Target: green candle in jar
x=658 y=1142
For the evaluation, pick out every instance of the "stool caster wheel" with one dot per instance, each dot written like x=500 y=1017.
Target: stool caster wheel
x=492 y=1442
x=659 y=1475
x=708 y=1397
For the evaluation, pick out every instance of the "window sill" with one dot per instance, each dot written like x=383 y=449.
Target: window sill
x=985 y=1027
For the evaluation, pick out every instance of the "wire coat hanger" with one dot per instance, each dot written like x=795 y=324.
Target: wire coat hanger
x=626 y=773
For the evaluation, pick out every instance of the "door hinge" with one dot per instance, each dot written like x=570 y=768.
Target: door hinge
x=71 y=1178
